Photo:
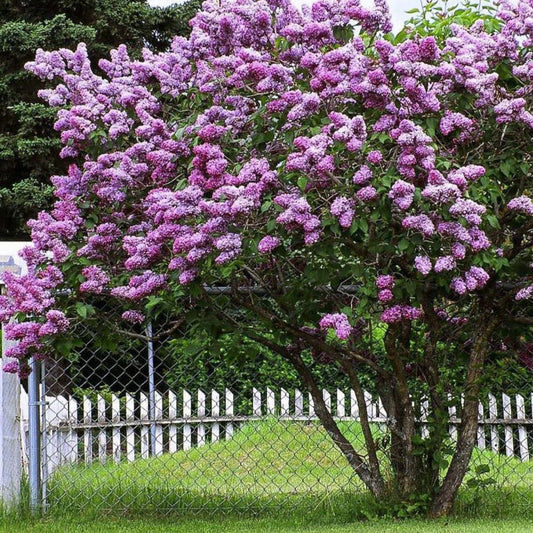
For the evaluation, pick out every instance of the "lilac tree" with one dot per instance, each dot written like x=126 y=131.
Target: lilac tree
x=309 y=181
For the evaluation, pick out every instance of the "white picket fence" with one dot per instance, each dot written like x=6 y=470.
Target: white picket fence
x=129 y=428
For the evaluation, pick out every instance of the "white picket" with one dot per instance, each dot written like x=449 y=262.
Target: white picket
x=311 y=407
x=270 y=402
x=522 y=432
x=201 y=413
x=284 y=403
x=493 y=415
x=144 y=412
x=326 y=396
x=115 y=417
x=57 y=449
x=72 y=439
x=341 y=405
x=481 y=427
x=67 y=437
x=187 y=413
x=508 y=432
x=381 y=413
x=354 y=406
x=102 y=433
x=298 y=403
x=173 y=428
x=229 y=413
x=158 y=428
x=256 y=402
x=452 y=412
x=87 y=433
x=369 y=406
x=215 y=412
x=130 y=431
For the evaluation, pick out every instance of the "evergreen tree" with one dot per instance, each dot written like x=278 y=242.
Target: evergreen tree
x=28 y=143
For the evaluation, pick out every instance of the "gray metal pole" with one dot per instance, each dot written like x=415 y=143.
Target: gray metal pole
x=34 y=437
x=151 y=384
x=44 y=439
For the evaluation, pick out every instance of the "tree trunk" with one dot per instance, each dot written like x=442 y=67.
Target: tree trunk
x=469 y=423
x=406 y=465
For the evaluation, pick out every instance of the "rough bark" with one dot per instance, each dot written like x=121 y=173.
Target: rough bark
x=469 y=423
x=407 y=466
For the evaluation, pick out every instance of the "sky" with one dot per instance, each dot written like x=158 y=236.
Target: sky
x=397 y=7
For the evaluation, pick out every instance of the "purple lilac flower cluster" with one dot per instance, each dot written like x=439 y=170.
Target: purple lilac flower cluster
x=339 y=322
x=158 y=198
x=399 y=313
x=385 y=283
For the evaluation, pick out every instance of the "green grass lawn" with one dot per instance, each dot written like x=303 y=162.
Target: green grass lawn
x=272 y=476
x=267 y=466
x=77 y=524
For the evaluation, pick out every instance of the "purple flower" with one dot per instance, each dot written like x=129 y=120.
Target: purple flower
x=398 y=313
x=374 y=157
x=524 y=294
x=339 y=322
x=135 y=317
x=476 y=278
x=362 y=176
x=385 y=282
x=444 y=193
x=187 y=276
x=458 y=250
x=367 y=194
x=423 y=264
x=385 y=296
x=267 y=244
x=522 y=204
x=402 y=194
x=464 y=207
x=342 y=208
x=96 y=279
x=12 y=367
x=445 y=263
x=458 y=285
x=421 y=223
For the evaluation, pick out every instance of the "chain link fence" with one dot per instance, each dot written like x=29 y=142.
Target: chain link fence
x=139 y=419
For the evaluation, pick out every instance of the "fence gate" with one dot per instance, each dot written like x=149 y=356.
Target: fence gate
x=136 y=420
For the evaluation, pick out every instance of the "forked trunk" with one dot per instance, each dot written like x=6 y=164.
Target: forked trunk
x=466 y=440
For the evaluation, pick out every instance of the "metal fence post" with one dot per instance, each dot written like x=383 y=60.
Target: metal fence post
x=10 y=440
x=151 y=386
x=34 y=438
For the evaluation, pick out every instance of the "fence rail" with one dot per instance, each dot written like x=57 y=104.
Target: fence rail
x=114 y=428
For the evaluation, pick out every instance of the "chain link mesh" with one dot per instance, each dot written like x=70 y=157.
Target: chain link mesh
x=198 y=430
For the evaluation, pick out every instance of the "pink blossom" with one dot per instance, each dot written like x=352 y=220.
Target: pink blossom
x=267 y=244
x=423 y=264
x=339 y=322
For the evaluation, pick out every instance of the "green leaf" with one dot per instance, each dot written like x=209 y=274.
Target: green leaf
x=493 y=221
x=403 y=245
x=302 y=183
x=154 y=302
x=266 y=206
x=82 y=309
